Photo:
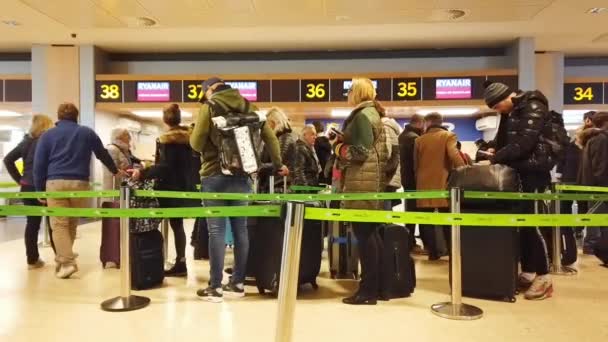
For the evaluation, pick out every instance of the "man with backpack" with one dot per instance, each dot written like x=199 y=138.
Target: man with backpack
x=529 y=139
x=221 y=102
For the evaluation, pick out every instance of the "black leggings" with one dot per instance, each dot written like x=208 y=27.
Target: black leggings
x=534 y=255
x=32 y=229
x=179 y=235
x=370 y=253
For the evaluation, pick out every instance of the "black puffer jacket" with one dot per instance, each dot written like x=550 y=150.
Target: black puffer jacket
x=594 y=168
x=407 y=140
x=176 y=165
x=306 y=167
x=521 y=146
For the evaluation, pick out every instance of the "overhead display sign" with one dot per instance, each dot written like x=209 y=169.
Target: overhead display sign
x=15 y=90
x=453 y=88
x=153 y=92
x=302 y=90
x=585 y=93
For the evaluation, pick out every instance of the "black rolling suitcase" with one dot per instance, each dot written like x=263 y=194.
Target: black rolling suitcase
x=342 y=251
x=398 y=272
x=147 y=261
x=490 y=255
x=266 y=251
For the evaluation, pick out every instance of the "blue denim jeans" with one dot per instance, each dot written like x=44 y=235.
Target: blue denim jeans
x=593 y=235
x=217 y=228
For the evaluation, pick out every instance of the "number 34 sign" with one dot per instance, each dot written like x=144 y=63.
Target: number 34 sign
x=583 y=93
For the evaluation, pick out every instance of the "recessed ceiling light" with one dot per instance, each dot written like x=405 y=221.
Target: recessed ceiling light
x=454 y=14
x=596 y=10
x=146 y=22
x=12 y=23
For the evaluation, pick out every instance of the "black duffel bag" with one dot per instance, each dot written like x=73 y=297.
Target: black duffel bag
x=489 y=178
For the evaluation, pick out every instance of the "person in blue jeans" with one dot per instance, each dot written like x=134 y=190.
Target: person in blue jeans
x=206 y=139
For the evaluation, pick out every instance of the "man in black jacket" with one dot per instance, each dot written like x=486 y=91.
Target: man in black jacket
x=407 y=140
x=524 y=117
x=323 y=151
x=594 y=171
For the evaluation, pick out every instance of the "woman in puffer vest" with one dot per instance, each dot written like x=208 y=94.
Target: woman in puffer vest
x=362 y=156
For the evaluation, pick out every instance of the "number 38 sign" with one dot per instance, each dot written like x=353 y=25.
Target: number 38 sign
x=583 y=93
x=108 y=91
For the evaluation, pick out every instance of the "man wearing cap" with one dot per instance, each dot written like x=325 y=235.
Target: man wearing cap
x=204 y=139
x=518 y=144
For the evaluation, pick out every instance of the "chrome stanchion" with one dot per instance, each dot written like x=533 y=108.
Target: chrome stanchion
x=126 y=301
x=456 y=309
x=290 y=265
x=556 y=266
x=164 y=228
x=46 y=233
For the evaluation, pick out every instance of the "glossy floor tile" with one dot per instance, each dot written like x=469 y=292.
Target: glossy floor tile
x=34 y=306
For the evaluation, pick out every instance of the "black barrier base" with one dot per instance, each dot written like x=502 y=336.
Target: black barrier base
x=123 y=304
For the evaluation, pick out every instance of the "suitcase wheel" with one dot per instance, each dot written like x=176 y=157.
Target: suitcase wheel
x=315 y=286
x=274 y=290
x=510 y=299
x=333 y=274
x=261 y=290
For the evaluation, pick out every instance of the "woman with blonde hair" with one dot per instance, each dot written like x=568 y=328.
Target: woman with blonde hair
x=120 y=151
x=26 y=151
x=278 y=121
x=361 y=159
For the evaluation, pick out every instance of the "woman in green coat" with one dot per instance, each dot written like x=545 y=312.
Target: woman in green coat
x=362 y=155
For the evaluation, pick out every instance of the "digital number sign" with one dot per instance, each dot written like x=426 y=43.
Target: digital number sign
x=193 y=91
x=108 y=91
x=407 y=89
x=314 y=90
x=584 y=93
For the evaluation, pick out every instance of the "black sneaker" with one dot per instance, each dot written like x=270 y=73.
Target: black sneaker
x=211 y=295
x=234 y=291
x=178 y=270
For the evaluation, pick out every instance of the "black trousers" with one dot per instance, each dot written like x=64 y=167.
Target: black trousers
x=177 y=225
x=370 y=253
x=32 y=228
x=533 y=247
x=435 y=238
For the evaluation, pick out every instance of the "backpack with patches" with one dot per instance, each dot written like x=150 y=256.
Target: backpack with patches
x=238 y=138
x=556 y=136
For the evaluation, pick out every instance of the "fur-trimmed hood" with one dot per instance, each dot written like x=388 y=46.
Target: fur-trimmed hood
x=176 y=135
x=587 y=134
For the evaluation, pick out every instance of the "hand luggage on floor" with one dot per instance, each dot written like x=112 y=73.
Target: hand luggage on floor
x=494 y=177
x=398 y=272
x=568 y=244
x=147 y=261
x=266 y=250
x=109 y=251
x=343 y=254
x=200 y=239
x=142 y=225
x=601 y=250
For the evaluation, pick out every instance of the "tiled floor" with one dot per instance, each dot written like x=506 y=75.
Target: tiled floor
x=34 y=306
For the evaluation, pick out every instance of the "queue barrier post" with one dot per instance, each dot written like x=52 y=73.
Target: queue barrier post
x=164 y=229
x=126 y=301
x=46 y=233
x=456 y=309
x=290 y=265
x=556 y=265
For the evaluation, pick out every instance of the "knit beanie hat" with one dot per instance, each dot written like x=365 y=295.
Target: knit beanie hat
x=494 y=93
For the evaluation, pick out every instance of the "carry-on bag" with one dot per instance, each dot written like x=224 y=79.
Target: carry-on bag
x=398 y=272
x=147 y=260
x=266 y=250
x=342 y=250
x=109 y=251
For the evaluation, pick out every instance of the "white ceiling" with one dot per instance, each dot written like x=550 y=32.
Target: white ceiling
x=246 y=25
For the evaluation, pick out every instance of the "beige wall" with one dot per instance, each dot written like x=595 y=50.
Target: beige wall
x=55 y=77
x=550 y=78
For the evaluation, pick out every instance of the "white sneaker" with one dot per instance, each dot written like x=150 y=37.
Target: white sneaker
x=66 y=271
x=111 y=264
x=37 y=264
